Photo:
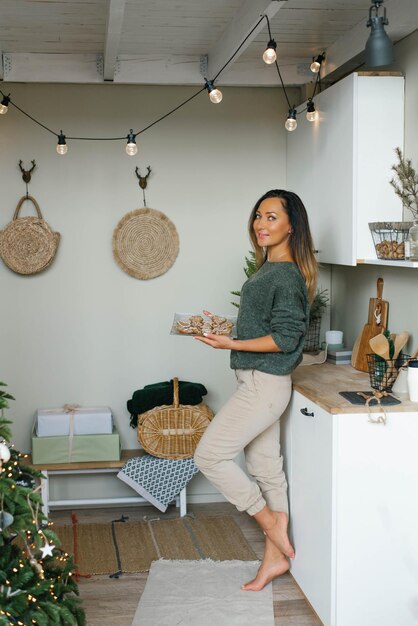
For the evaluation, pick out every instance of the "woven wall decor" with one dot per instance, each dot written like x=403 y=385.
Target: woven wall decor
x=27 y=244
x=145 y=243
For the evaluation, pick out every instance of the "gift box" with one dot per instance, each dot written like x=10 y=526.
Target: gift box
x=74 y=419
x=75 y=449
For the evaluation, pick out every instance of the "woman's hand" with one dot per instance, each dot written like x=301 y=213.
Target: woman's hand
x=220 y=342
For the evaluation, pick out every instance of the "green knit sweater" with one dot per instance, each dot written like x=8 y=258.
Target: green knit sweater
x=273 y=302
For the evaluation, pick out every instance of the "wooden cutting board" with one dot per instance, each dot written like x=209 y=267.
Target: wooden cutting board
x=376 y=323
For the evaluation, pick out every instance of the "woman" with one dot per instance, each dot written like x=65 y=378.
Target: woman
x=271 y=327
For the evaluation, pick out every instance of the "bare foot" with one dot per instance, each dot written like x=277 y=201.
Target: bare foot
x=278 y=534
x=274 y=564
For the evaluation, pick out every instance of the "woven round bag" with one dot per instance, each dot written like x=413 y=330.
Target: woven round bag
x=173 y=431
x=27 y=244
x=145 y=243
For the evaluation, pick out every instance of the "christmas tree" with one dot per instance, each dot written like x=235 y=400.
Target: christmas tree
x=37 y=581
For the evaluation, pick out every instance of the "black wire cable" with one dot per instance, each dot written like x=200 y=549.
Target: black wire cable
x=268 y=26
x=30 y=116
x=240 y=46
x=172 y=110
x=277 y=65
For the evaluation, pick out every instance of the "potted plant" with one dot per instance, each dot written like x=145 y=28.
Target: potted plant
x=318 y=306
x=389 y=238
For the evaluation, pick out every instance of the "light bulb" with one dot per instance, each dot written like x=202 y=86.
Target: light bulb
x=269 y=54
x=291 y=123
x=4 y=106
x=215 y=95
x=311 y=114
x=316 y=63
x=62 y=147
x=131 y=147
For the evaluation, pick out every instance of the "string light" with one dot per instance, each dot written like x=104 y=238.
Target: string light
x=62 y=147
x=291 y=123
x=4 y=106
x=317 y=62
x=269 y=54
x=131 y=147
x=215 y=95
x=311 y=112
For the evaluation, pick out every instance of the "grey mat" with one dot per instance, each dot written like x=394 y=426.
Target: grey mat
x=203 y=593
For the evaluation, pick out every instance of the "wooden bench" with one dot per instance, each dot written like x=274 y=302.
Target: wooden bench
x=93 y=467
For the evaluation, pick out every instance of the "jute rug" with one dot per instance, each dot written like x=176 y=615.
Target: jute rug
x=122 y=546
x=203 y=593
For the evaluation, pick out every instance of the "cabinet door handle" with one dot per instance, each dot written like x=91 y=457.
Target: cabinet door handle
x=306 y=412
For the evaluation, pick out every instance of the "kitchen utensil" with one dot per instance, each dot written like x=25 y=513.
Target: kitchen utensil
x=376 y=324
x=400 y=341
x=401 y=383
x=380 y=346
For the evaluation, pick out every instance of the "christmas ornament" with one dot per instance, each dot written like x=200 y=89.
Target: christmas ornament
x=47 y=549
x=4 y=453
x=6 y=519
x=37 y=567
x=25 y=480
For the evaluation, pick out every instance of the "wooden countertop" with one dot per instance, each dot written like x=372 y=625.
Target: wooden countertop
x=321 y=384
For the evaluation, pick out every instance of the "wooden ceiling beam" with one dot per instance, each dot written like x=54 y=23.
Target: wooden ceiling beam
x=236 y=31
x=114 y=23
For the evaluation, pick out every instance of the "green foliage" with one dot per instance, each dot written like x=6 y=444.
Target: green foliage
x=319 y=304
x=249 y=269
x=33 y=590
x=405 y=183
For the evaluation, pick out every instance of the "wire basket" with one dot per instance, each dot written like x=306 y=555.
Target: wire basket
x=389 y=239
x=312 y=336
x=383 y=373
x=173 y=431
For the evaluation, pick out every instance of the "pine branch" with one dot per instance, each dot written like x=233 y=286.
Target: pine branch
x=405 y=183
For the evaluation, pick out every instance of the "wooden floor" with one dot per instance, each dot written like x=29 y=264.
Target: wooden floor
x=112 y=602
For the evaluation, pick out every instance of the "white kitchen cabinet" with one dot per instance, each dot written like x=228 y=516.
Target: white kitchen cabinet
x=353 y=495
x=340 y=165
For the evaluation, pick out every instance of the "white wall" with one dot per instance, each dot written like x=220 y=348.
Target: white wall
x=84 y=331
x=353 y=286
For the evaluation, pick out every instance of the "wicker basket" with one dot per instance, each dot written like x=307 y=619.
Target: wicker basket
x=27 y=244
x=173 y=431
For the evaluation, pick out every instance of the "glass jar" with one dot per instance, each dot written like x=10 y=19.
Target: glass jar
x=413 y=241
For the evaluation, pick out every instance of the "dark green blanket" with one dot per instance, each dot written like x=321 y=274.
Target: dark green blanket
x=162 y=393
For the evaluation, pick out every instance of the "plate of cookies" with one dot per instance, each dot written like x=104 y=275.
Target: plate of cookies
x=195 y=325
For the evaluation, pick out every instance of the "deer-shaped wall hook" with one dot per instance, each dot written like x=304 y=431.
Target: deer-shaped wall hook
x=142 y=179
x=26 y=174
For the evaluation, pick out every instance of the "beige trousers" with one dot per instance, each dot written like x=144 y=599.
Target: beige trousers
x=249 y=421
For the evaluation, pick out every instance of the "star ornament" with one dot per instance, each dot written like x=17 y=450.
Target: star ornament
x=47 y=549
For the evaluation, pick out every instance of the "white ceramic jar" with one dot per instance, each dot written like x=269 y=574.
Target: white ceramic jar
x=413 y=381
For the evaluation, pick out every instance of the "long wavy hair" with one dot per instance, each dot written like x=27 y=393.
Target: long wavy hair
x=300 y=241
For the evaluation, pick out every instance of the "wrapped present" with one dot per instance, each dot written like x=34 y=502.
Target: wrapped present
x=74 y=419
x=75 y=448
